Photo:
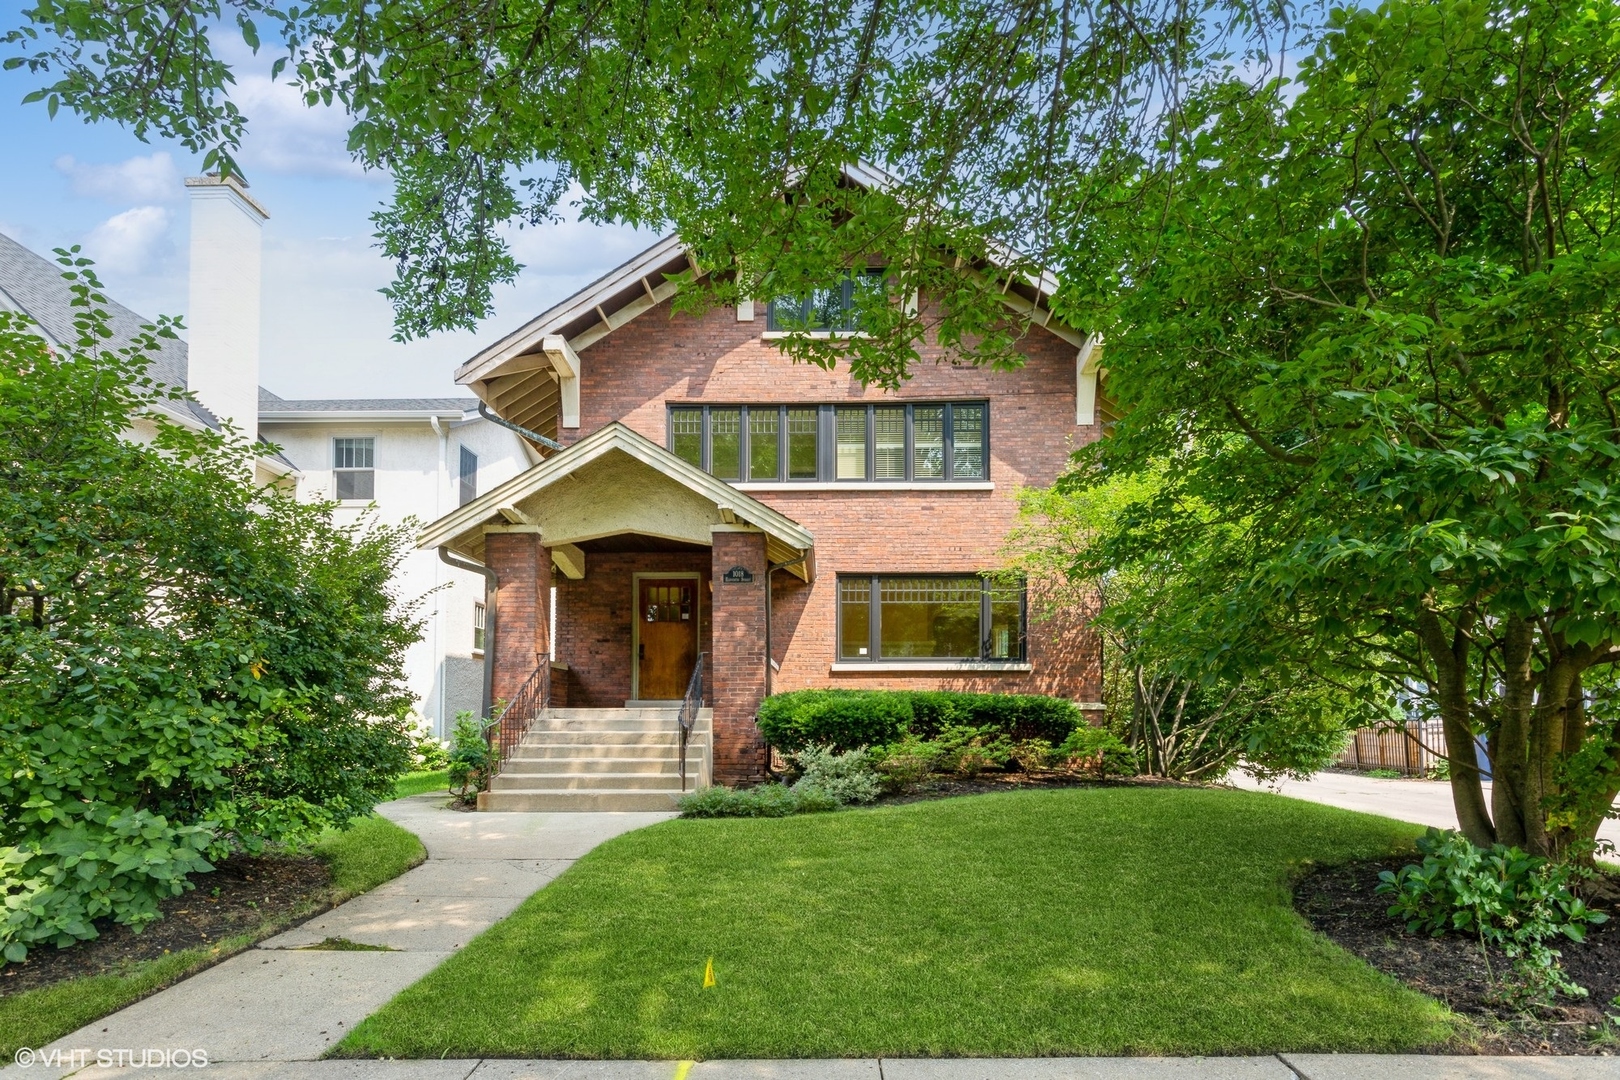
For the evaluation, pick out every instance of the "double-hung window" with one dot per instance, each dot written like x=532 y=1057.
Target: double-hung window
x=480 y=615
x=832 y=309
x=354 y=465
x=921 y=617
x=908 y=443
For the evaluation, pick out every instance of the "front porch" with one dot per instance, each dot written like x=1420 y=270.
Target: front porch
x=625 y=571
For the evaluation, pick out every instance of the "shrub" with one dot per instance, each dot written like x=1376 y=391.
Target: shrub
x=429 y=753
x=1032 y=754
x=1503 y=897
x=850 y=719
x=848 y=777
x=840 y=719
x=1098 y=750
x=905 y=763
x=766 y=800
x=969 y=751
x=470 y=758
x=189 y=663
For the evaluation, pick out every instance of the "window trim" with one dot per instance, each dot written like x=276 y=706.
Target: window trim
x=827 y=444
x=873 y=661
x=480 y=627
x=372 y=469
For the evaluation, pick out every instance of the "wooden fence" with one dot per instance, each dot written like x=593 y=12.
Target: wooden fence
x=1412 y=751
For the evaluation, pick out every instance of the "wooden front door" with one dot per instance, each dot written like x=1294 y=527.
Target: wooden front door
x=666 y=609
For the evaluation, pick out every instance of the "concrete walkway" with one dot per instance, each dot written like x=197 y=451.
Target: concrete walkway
x=283 y=1002
x=1427 y=802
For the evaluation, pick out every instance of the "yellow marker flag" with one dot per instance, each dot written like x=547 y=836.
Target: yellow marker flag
x=708 y=974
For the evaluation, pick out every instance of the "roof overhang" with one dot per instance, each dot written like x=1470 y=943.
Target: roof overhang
x=615 y=481
x=307 y=416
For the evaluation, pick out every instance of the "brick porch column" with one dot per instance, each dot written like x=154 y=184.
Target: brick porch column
x=523 y=571
x=737 y=664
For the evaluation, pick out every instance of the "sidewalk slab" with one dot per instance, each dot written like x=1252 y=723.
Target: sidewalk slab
x=517 y=878
x=450 y=834
x=437 y=924
x=496 y=1069
x=259 y=1006
x=1432 y=1067
x=810 y=1069
x=1093 y=1068
x=300 y=1070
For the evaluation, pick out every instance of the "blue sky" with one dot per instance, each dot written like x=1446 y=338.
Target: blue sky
x=326 y=328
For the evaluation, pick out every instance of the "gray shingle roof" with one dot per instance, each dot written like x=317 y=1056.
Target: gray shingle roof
x=269 y=402
x=33 y=285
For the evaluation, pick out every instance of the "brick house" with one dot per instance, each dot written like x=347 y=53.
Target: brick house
x=787 y=527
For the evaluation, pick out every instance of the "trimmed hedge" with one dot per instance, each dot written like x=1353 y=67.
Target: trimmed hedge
x=849 y=719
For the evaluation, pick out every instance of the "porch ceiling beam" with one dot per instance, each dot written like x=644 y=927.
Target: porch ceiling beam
x=570 y=560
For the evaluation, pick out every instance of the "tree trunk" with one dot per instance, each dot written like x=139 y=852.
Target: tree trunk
x=1514 y=784
x=1451 y=683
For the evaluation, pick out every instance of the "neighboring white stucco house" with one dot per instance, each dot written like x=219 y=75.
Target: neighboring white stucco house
x=408 y=458
x=397 y=458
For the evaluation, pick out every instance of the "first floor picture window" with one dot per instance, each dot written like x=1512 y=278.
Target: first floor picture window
x=354 y=463
x=929 y=617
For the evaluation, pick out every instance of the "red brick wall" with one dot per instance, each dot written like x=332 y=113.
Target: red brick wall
x=738 y=668
x=593 y=621
x=659 y=358
x=523 y=586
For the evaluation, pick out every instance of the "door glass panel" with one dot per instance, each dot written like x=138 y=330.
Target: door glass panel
x=967 y=442
x=855 y=619
x=928 y=617
x=928 y=442
x=725 y=443
x=667 y=603
x=686 y=430
x=852 y=444
x=764 y=446
x=889 y=431
x=802 y=429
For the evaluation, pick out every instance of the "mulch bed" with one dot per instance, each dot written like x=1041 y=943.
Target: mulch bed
x=1339 y=902
x=244 y=894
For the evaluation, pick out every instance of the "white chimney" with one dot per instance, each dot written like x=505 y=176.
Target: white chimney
x=223 y=348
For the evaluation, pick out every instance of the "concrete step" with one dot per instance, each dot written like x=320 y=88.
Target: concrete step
x=569 y=713
x=660 y=737
x=508 y=781
x=602 y=723
x=586 y=766
x=665 y=749
x=515 y=801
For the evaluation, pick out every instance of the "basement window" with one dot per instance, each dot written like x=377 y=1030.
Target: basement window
x=926 y=617
x=354 y=464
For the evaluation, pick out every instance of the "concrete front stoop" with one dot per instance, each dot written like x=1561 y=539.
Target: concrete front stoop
x=602 y=760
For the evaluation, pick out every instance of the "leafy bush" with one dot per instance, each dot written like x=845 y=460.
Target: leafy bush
x=968 y=751
x=840 y=719
x=903 y=764
x=766 y=800
x=429 y=753
x=1507 y=899
x=188 y=663
x=1098 y=750
x=471 y=759
x=848 y=777
x=851 y=719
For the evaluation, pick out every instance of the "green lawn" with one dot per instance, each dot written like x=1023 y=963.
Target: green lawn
x=422 y=783
x=1087 y=921
x=362 y=857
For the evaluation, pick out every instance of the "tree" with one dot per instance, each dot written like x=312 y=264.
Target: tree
x=688 y=116
x=1370 y=318
x=189 y=664
x=1169 y=685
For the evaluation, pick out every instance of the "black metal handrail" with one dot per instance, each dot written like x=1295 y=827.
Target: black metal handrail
x=690 y=704
x=506 y=731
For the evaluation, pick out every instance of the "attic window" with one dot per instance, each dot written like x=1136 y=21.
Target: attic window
x=354 y=462
x=829 y=309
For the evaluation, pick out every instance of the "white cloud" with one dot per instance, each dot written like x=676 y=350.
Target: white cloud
x=286 y=136
x=131 y=242
x=151 y=178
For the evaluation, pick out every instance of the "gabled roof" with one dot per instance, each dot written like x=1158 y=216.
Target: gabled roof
x=273 y=408
x=641 y=284
x=32 y=285
x=618 y=481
